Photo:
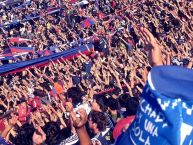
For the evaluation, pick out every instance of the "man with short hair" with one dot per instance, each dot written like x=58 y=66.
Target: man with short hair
x=98 y=124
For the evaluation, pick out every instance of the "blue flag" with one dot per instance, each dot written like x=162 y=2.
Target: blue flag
x=165 y=113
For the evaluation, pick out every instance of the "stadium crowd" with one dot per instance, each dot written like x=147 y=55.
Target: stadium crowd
x=90 y=96
x=65 y=26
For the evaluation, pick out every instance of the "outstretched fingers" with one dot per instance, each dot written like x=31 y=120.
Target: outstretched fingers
x=149 y=35
x=144 y=36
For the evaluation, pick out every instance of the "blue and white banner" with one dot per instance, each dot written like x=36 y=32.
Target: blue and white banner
x=165 y=113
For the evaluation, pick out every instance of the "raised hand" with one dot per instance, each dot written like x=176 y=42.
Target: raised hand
x=9 y=125
x=11 y=122
x=151 y=44
x=69 y=107
x=59 y=113
x=80 y=121
x=39 y=136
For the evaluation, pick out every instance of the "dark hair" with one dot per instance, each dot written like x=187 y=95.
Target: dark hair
x=65 y=133
x=123 y=99
x=3 y=109
x=45 y=84
x=148 y=68
x=191 y=51
x=101 y=100
x=39 y=93
x=2 y=97
x=185 y=62
x=75 y=94
x=113 y=103
x=6 y=115
x=116 y=91
x=52 y=130
x=132 y=105
x=55 y=79
x=24 y=135
x=99 y=118
x=22 y=100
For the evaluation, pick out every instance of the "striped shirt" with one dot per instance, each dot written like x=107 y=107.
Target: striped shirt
x=72 y=140
x=110 y=123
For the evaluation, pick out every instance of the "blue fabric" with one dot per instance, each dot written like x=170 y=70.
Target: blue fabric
x=76 y=80
x=180 y=84
x=165 y=113
x=7 y=58
x=88 y=66
x=14 y=66
x=3 y=142
x=129 y=47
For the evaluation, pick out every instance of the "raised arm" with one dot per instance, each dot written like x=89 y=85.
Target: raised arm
x=151 y=43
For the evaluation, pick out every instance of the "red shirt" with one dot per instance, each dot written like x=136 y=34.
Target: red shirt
x=2 y=125
x=113 y=4
x=101 y=15
x=35 y=102
x=23 y=112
